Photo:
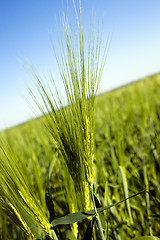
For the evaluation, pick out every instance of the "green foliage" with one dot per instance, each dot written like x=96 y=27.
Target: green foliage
x=134 y=111
x=129 y=132
x=72 y=126
x=111 y=141
x=76 y=217
x=17 y=199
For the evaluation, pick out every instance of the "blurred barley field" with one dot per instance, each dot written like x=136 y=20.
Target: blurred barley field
x=126 y=161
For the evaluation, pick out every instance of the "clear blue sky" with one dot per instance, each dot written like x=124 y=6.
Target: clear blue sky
x=25 y=36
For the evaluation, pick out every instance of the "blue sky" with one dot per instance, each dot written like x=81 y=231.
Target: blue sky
x=25 y=28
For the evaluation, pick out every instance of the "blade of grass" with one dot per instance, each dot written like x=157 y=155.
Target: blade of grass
x=125 y=187
x=75 y=217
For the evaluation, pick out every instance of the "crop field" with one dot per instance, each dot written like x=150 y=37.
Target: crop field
x=38 y=186
x=89 y=167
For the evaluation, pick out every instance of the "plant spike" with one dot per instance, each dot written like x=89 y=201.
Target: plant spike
x=72 y=123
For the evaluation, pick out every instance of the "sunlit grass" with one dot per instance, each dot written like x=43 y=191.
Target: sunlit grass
x=110 y=142
x=140 y=153
x=17 y=198
x=80 y=64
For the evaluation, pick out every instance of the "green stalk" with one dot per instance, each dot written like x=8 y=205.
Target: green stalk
x=125 y=187
x=97 y=215
x=147 y=199
x=54 y=234
x=36 y=169
x=72 y=127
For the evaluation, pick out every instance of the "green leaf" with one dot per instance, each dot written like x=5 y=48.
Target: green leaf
x=50 y=205
x=29 y=220
x=101 y=215
x=79 y=216
x=52 y=164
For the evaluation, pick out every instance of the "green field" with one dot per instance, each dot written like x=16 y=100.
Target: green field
x=126 y=162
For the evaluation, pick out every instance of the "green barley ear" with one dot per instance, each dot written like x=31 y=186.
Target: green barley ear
x=80 y=63
x=17 y=199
